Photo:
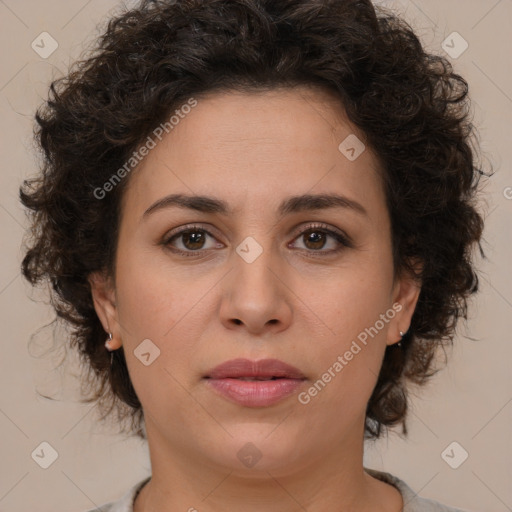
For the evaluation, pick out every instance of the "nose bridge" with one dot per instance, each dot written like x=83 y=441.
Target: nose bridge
x=255 y=250
x=254 y=257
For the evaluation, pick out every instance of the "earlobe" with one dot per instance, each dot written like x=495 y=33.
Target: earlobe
x=103 y=296
x=406 y=293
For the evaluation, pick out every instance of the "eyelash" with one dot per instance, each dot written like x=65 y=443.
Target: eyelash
x=342 y=239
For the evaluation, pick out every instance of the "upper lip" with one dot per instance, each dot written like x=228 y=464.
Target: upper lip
x=236 y=368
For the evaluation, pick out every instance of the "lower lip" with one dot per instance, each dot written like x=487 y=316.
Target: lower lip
x=254 y=393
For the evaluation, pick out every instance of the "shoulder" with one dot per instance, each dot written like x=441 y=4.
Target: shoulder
x=125 y=503
x=412 y=502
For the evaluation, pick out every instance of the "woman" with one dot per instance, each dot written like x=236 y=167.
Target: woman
x=267 y=209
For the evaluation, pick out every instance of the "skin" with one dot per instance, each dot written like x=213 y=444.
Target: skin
x=254 y=150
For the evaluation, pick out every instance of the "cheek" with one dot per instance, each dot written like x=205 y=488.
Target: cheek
x=159 y=304
x=151 y=298
x=153 y=315
x=355 y=310
x=351 y=299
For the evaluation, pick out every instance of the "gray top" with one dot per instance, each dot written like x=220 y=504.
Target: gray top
x=412 y=502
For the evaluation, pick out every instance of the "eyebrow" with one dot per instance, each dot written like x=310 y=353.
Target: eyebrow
x=293 y=204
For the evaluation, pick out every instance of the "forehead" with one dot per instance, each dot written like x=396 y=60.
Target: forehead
x=262 y=146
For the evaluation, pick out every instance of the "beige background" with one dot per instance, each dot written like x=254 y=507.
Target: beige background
x=469 y=402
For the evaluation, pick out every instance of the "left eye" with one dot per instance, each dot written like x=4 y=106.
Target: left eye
x=316 y=238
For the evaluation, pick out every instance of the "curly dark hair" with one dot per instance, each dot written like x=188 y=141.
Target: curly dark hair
x=410 y=105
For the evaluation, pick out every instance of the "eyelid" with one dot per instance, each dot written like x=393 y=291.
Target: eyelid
x=323 y=227
x=207 y=228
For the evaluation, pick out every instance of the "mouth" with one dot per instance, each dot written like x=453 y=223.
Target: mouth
x=258 y=378
x=263 y=369
x=254 y=383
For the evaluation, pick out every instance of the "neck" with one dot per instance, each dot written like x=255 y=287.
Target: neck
x=335 y=480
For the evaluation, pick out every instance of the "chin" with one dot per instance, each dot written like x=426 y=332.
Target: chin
x=258 y=449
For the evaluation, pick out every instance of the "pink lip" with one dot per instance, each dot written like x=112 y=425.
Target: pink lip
x=226 y=380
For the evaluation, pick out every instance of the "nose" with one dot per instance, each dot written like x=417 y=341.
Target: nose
x=255 y=296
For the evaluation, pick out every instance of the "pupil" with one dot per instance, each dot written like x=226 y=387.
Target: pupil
x=317 y=239
x=195 y=237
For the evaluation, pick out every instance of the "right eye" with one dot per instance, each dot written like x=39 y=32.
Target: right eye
x=192 y=239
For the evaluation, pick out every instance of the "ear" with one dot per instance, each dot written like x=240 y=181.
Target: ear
x=103 y=295
x=406 y=292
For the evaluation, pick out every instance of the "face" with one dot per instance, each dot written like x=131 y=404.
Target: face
x=254 y=274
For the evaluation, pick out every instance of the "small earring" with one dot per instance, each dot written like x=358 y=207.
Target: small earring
x=399 y=344
x=107 y=343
